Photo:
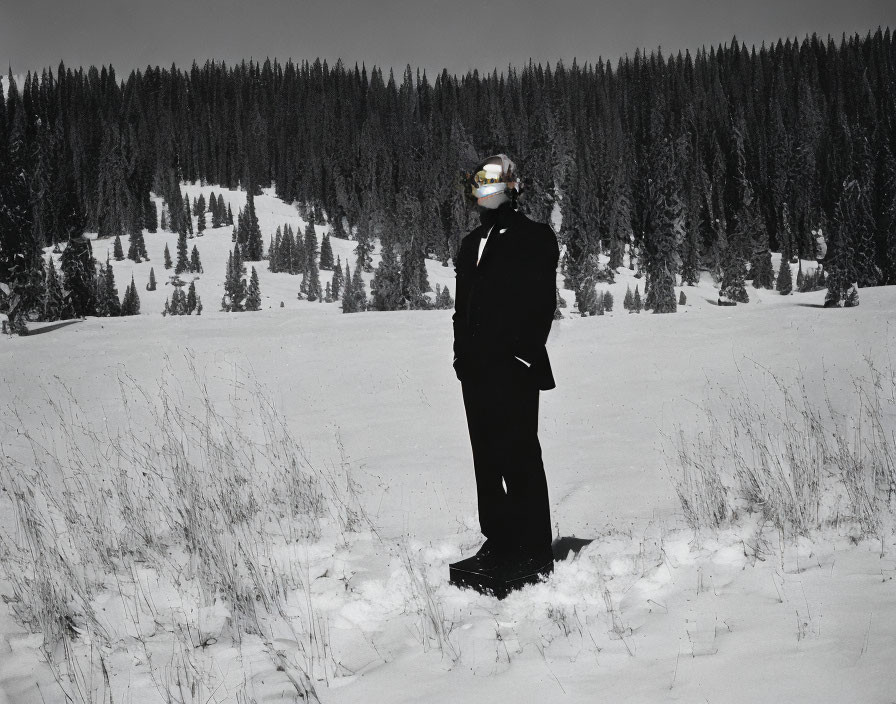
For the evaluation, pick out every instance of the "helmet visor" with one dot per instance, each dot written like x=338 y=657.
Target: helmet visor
x=488 y=180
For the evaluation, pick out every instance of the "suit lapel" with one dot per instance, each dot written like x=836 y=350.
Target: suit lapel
x=491 y=242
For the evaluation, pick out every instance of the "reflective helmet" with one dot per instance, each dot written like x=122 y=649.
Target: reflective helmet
x=494 y=175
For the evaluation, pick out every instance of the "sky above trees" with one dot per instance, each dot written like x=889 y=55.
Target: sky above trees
x=459 y=35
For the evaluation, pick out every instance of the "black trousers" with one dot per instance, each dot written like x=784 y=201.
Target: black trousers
x=501 y=404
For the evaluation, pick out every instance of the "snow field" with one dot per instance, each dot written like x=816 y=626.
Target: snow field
x=209 y=579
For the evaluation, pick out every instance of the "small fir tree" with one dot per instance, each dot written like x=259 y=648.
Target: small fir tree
x=216 y=212
x=137 y=248
x=195 y=264
x=348 y=298
x=53 y=299
x=167 y=257
x=326 y=254
x=131 y=305
x=629 y=299
x=385 y=287
x=191 y=298
x=150 y=215
x=785 y=277
x=359 y=291
x=608 y=302
x=151 y=286
x=338 y=279
x=682 y=299
x=182 y=262
x=253 y=295
x=117 y=251
x=187 y=217
x=637 y=305
x=586 y=297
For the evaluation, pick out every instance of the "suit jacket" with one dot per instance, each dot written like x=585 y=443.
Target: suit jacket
x=504 y=307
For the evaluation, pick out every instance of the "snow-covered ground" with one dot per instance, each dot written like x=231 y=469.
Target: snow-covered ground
x=649 y=611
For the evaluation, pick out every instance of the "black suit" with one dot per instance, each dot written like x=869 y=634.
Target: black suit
x=504 y=308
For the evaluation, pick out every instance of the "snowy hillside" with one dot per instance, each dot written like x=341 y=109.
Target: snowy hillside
x=127 y=445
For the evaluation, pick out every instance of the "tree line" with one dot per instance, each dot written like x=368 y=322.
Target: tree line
x=686 y=162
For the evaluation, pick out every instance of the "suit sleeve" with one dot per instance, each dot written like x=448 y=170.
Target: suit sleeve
x=459 y=319
x=539 y=297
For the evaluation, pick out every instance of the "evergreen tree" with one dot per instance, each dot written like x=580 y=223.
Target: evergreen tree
x=54 y=304
x=229 y=213
x=150 y=215
x=359 y=292
x=311 y=282
x=195 y=265
x=164 y=219
x=663 y=225
x=414 y=281
x=310 y=247
x=848 y=258
x=137 y=247
x=444 y=300
x=217 y=219
x=762 y=270
x=629 y=300
x=78 y=273
x=167 y=257
x=298 y=256
x=191 y=298
x=188 y=217
x=234 y=283
x=251 y=233
x=338 y=279
x=326 y=254
x=682 y=299
x=636 y=301
x=151 y=286
x=784 y=284
x=385 y=287
x=746 y=232
x=272 y=251
x=285 y=247
x=608 y=302
x=200 y=223
x=363 y=259
x=199 y=205
x=348 y=297
x=182 y=263
x=586 y=297
x=107 y=304
x=131 y=304
x=253 y=296
x=117 y=251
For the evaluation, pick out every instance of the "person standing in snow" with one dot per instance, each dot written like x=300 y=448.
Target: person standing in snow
x=504 y=307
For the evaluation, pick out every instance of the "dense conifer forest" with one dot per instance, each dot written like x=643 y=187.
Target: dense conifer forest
x=681 y=162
